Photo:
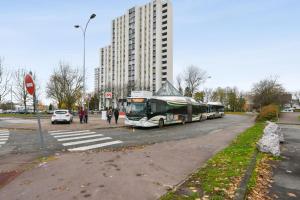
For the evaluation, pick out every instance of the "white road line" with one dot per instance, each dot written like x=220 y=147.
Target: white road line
x=86 y=141
x=70 y=135
x=80 y=137
x=95 y=146
x=4 y=131
x=57 y=131
x=4 y=134
x=70 y=132
x=2 y=142
x=3 y=139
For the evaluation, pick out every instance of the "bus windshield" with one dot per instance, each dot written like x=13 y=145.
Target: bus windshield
x=136 y=109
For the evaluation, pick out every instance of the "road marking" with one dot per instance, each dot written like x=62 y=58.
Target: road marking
x=2 y=142
x=70 y=132
x=4 y=134
x=4 y=131
x=80 y=137
x=86 y=141
x=57 y=131
x=84 y=148
x=76 y=134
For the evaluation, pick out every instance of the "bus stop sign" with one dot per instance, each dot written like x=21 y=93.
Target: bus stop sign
x=29 y=84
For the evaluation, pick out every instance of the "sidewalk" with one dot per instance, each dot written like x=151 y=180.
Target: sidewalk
x=95 y=122
x=287 y=175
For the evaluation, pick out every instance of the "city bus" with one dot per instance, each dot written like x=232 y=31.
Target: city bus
x=163 y=110
x=215 y=110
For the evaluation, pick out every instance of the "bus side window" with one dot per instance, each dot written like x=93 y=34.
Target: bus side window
x=153 y=107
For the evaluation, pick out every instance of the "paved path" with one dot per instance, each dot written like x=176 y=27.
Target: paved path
x=145 y=172
x=287 y=175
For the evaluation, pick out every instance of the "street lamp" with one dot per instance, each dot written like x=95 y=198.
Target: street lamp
x=83 y=32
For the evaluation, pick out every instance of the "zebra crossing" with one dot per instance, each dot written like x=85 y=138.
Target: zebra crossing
x=4 y=135
x=82 y=140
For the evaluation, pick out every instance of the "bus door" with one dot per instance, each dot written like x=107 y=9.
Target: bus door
x=189 y=113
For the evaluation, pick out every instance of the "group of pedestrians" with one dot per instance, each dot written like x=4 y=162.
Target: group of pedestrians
x=109 y=114
x=83 y=115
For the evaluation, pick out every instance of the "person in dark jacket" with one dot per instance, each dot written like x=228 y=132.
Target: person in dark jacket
x=116 y=113
x=81 y=115
x=86 y=116
x=109 y=115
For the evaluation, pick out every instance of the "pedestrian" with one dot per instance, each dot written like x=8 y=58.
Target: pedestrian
x=86 y=116
x=81 y=115
x=109 y=115
x=116 y=113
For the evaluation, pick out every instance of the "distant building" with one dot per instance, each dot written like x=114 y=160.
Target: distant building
x=140 y=56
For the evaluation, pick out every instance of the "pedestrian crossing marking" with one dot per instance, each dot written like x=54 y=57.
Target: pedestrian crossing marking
x=4 y=135
x=69 y=132
x=96 y=146
x=82 y=140
x=76 y=134
x=79 y=137
x=87 y=141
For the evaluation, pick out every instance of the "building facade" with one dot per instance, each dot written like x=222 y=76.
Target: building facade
x=140 y=56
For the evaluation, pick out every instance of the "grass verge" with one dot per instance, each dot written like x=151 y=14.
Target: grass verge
x=22 y=115
x=221 y=175
x=299 y=118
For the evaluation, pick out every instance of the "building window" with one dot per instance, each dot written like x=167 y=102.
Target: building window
x=164 y=56
x=164 y=62
x=164 y=22
x=164 y=28
x=165 y=33
x=164 y=39
x=165 y=16
x=164 y=79
x=164 y=45
x=164 y=51
x=164 y=68
x=165 y=5
x=164 y=73
x=164 y=11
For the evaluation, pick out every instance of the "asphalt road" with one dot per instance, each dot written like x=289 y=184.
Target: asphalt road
x=29 y=141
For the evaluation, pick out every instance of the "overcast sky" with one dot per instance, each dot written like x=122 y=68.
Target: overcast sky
x=236 y=42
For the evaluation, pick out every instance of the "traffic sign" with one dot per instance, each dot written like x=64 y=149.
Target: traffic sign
x=108 y=95
x=29 y=84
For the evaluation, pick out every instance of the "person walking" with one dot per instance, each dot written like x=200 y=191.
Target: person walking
x=116 y=113
x=86 y=116
x=109 y=115
x=81 y=115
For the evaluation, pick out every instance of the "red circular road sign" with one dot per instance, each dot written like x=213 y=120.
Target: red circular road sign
x=29 y=84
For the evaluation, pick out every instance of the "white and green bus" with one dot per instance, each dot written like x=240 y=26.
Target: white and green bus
x=163 y=110
x=215 y=110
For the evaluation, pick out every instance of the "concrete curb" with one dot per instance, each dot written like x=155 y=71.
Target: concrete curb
x=285 y=123
x=242 y=190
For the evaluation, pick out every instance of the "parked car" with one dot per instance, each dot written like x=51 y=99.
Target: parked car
x=62 y=116
x=288 y=110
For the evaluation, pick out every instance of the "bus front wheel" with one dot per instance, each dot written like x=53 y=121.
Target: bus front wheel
x=161 y=123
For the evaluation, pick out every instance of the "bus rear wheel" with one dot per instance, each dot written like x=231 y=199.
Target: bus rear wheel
x=161 y=123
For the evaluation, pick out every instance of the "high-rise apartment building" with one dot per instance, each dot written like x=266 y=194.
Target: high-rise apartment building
x=140 y=56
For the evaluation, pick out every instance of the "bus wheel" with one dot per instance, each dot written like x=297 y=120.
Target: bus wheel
x=161 y=123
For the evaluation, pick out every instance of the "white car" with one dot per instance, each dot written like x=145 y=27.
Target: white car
x=62 y=116
x=288 y=110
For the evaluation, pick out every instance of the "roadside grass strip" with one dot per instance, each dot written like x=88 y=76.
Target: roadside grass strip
x=82 y=140
x=221 y=175
x=4 y=135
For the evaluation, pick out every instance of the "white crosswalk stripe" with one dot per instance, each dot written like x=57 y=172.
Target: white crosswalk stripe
x=82 y=140
x=4 y=135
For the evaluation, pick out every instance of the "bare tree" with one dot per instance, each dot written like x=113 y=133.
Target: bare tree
x=208 y=94
x=20 y=91
x=179 y=83
x=193 y=77
x=65 y=86
x=4 y=81
x=269 y=91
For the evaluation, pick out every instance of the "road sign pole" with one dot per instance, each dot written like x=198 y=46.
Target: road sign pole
x=39 y=125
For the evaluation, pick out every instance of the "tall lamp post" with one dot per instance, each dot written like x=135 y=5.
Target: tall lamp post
x=84 y=32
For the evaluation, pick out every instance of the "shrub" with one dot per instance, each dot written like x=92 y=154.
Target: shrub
x=269 y=112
